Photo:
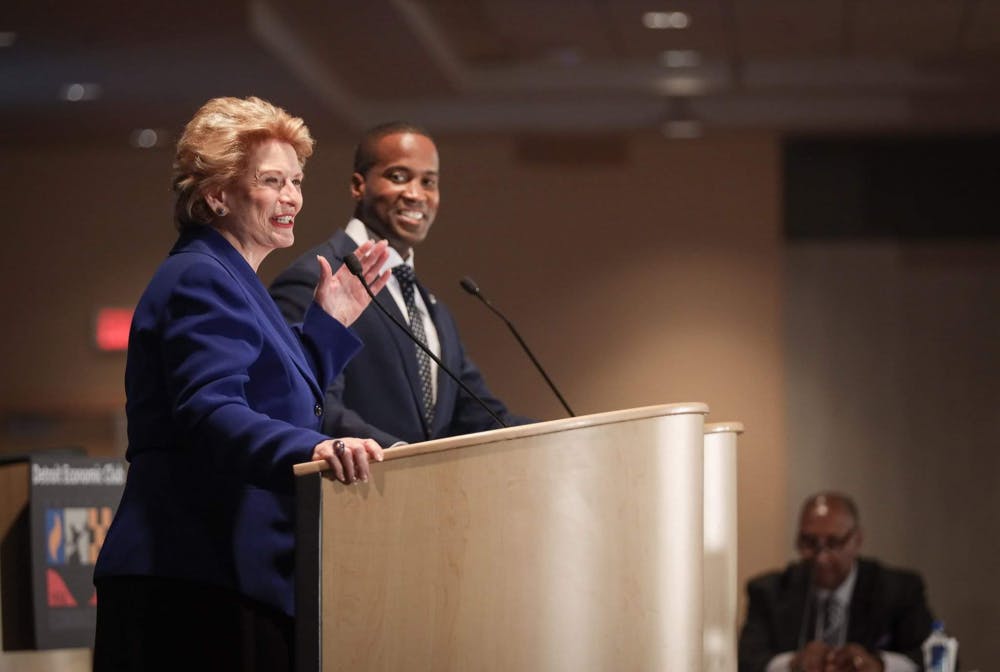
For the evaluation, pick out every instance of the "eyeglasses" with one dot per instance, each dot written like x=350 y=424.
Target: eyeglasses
x=812 y=545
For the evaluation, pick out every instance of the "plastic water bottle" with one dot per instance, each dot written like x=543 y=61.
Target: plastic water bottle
x=940 y=650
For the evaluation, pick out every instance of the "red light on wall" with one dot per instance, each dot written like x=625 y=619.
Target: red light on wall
x=111 y=330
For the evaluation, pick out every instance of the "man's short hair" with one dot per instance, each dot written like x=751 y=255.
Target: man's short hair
x=364 y=153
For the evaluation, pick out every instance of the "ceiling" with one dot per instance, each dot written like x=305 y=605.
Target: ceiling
x=503 y=66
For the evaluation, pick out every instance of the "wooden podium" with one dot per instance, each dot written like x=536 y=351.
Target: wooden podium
x=720 y=562
x=568 y=545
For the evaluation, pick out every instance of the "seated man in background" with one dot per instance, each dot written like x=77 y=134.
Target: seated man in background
x=833 y=611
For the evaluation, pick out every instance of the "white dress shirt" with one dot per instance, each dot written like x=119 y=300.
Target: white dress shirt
x=358 y=232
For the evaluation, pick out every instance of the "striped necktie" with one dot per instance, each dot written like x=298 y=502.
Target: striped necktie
x=408 y=283
x=833 y=621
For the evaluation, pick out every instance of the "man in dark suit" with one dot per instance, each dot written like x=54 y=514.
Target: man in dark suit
x=833 y=611
x=391 y=391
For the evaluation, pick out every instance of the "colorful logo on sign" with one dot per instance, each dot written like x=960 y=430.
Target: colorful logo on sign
x=73 y=538
x=74 y=535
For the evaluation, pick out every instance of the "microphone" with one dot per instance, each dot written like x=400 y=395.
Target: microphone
x=354 y=266
x=469 y=285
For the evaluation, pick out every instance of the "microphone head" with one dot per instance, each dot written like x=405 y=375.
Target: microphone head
x=469 y=285
x=353 y=265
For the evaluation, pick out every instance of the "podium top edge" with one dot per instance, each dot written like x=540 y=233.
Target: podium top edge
x=535 y=429
x=722 y=427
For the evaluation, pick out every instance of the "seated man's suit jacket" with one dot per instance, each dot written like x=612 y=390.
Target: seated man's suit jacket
x=378 y=394
x=888 y=612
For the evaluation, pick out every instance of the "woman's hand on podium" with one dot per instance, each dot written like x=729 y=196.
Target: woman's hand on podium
x=349 y=458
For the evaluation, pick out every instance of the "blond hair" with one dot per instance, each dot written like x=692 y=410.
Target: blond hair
x=214 y=149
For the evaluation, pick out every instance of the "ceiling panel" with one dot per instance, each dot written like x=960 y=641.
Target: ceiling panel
x=56 y=24
x=909 y=30
x=789 y=29
x=550 y=30
x=371 y=49
x=469 y=32
x=501 y=65
x=981 y=36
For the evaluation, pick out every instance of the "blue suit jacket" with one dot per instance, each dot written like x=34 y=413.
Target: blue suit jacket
x=378 y=394
x=222 y=399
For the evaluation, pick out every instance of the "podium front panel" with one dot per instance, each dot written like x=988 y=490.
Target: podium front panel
x=563 y=546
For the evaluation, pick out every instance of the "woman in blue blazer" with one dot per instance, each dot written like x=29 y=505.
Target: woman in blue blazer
x=222 y=399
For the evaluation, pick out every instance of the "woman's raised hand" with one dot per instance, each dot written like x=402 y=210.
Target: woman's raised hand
x=341 y=294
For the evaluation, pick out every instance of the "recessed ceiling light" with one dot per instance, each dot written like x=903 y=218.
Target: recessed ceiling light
x=677 y=85
x=78 y=91
x=666 y=20
x=680 y=58
x=7 y=38
x=144 y=138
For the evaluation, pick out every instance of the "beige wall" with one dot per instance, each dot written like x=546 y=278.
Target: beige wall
x=652 y=280
x=655 y=279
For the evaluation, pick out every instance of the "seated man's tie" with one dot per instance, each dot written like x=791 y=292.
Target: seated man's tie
x=833 y=621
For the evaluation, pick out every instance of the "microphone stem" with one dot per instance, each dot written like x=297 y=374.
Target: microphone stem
x=531 y=355
x=426 y=349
